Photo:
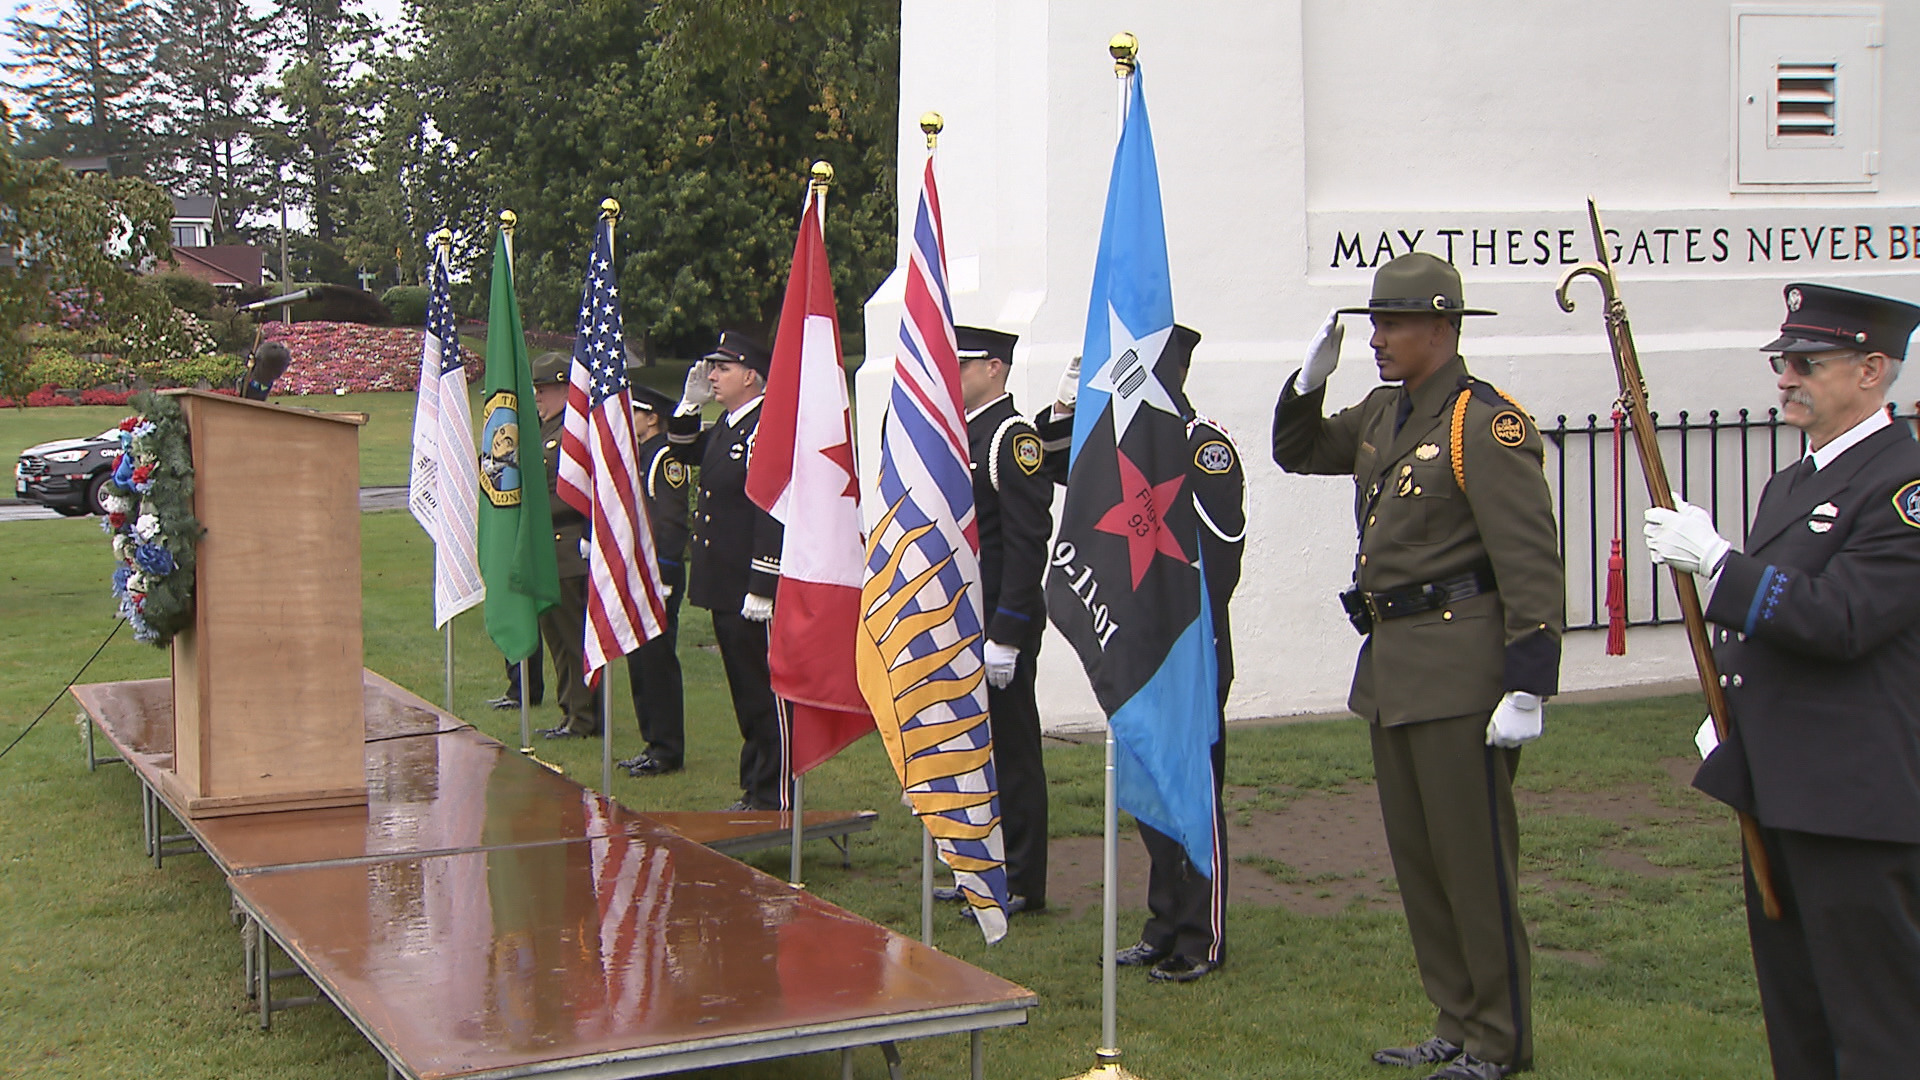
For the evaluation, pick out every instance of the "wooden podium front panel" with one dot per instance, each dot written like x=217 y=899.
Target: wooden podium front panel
x=268 y=704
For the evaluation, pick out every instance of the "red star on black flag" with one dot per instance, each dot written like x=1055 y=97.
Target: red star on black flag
x=1140 y=517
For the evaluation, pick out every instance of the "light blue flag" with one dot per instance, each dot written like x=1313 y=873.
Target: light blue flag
x=1125 y=585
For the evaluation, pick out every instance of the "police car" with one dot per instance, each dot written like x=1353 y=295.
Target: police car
x=66 y=475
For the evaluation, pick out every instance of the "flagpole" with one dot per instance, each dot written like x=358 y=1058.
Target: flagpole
x=509 y=219
x=931 y=125
x=1124 y=48
x=609 y=213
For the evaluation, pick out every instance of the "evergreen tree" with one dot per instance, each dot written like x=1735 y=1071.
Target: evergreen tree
x=82 y=69
x=326 y=93
x=209 y=56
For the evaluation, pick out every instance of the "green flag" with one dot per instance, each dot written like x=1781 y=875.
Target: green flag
x=516 y=522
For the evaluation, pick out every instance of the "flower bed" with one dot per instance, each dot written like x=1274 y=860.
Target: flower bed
x=348 y=358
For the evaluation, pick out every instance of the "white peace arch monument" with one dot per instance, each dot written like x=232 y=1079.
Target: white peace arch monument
x=1733 y=148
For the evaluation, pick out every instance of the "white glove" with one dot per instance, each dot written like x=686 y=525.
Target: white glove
x=1000 y=661
x=1706 y=738
x=585 y=548
x=1516 y=720
x=1685 y=539
x=1323 y=355
x=756 y=608
x=1068 y=391
x=697 y=391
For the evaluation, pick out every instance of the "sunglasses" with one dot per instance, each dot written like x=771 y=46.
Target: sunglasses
x=1801 y=363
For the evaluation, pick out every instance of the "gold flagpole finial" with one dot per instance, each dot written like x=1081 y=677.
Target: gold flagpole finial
x=932 y=123
x=508 y=219
x=1125 y=48
x=822 y=174
x=443 y=239
x=610 y=209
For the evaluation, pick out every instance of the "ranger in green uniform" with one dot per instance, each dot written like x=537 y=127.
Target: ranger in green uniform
x=1459 y=591
x=564 y=627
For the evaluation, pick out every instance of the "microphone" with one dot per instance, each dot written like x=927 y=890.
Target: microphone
x=269 y=363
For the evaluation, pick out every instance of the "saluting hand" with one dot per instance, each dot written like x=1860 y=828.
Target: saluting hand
x=697 y=391
x=1323 y=355
x=1068 y=391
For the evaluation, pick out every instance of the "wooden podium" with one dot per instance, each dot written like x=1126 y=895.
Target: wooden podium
x=268 y=709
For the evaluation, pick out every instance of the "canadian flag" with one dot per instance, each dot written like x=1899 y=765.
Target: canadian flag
x=802 y=473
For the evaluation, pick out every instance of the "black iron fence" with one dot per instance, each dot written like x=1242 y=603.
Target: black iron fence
x=1720 y=463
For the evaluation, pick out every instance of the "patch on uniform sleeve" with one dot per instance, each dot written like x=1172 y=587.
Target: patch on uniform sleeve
x=1027 y=452
x=1906 y=502
x=675 y=472
x=1508 y=428
x=1213 y=457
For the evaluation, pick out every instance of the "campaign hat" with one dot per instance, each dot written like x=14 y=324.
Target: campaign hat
x=1417 y=284
x=981 y=343
x=736 y=347
x=551 y=367
x=1821 y=318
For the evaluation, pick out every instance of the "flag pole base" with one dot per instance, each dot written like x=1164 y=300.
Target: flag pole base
x=1106 y=1066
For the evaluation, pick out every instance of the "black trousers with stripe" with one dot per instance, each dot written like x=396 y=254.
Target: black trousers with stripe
x=1446 y=798
x=1021 y=768
x=653 y=673
x=1186 y=909
x=763 y=748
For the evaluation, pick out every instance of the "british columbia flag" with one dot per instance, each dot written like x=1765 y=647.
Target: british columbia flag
x=598 y=475
x=921 y=642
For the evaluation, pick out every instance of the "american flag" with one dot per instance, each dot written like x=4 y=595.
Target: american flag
x=922 y=637
x=599 y=473
x=443 y=485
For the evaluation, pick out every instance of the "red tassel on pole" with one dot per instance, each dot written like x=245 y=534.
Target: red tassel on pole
x=1616 y=562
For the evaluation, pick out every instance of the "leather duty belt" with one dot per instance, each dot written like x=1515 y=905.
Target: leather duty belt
x=1364 y=609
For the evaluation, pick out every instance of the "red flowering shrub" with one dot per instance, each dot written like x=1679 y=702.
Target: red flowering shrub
x=47 y=395
x=100 y=396
x=330 y=357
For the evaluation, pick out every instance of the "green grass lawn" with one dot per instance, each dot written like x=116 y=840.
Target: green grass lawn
x=110 y=968
x=385 y=441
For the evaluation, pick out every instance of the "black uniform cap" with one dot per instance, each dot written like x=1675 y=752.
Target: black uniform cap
x=1821 y=317
x=737 y=348
x=646 y=397
x=980 y=343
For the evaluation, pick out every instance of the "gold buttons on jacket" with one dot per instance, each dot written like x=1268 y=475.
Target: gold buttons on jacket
x=1446 y=616
x=1363 y=560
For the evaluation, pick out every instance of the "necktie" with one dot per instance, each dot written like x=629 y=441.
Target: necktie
x=1804 y=471
x=1406 y=409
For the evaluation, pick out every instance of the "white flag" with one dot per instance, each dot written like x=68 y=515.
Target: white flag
x=443 y=489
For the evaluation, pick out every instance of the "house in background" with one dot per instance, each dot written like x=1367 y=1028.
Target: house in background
x=228 y=267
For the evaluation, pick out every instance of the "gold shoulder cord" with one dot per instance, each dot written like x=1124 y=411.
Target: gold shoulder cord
x=1458 y=432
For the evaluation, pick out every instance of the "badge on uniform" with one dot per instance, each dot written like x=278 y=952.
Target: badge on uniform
x=1426 y=451
x=737 y=451
x=1906 y=502
x=675 y=473
x=1027 y=452
x=1509 y=429
x=1403 y=484
x=1213 y=458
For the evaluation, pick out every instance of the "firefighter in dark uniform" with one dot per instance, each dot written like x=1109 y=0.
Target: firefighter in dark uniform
x=1185 y=935
x=736 y=553
x=653 y=670
x=563 y=627
x=1013 y=511
x=1459 y=589
x=1818 y=645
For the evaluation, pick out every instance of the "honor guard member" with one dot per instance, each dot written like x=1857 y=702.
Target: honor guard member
x=1185 y=935
x=1013 y=509
x=653 y=670
x=1459 y=591
x=564 y=626
x=1817 y=638
x=735 y=552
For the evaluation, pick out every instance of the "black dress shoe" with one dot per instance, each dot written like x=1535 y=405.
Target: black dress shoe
x=507 y=701
x=1432 y=1052
x=737 y=806
x=1181 y=969
x=565 y=732
x=630 y=762
x=1015 y=905
x=1468 y=1067
x=947 y=894
x=1140 y=954
x=648 y=765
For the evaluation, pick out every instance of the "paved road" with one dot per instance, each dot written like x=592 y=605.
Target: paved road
x=371 y=498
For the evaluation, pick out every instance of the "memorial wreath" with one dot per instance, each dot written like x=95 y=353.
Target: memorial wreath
x=149 y=504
